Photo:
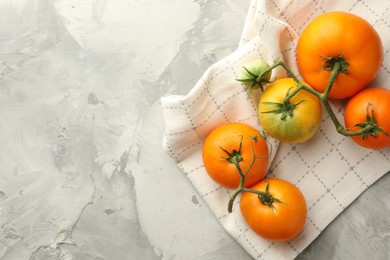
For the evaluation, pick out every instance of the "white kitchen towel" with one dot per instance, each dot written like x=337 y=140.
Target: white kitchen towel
x=330 y=169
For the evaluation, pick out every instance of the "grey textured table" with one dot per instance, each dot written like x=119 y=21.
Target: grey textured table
x=83 y=174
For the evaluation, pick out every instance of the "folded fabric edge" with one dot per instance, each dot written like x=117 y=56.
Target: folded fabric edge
x=249 y=29
x=179 y=102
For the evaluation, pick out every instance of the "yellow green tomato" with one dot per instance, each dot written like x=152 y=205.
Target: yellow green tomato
x=293 y=122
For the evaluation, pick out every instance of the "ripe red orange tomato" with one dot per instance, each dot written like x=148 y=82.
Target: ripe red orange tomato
x=371 y=105
x=343 y=37
x=234 y=141
x=279 y=214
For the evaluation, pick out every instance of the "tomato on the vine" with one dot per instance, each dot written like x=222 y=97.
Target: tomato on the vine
x=344 y=38
x=370 y=106
x=294 y=123
x=235 y=142
x=278 y=213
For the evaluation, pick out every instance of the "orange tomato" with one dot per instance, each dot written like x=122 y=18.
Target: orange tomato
x=340 y=36
x=234 y=141
x=374 y=103
x=279 y=220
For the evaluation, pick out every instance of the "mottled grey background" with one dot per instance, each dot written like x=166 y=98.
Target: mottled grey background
x=82 y=171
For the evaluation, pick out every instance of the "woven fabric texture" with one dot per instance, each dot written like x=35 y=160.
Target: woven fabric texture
x=330 y=169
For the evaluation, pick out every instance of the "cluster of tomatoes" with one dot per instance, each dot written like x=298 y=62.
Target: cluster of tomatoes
x=235 y=155
x=338 y=54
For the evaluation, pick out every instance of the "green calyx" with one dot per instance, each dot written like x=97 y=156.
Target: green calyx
x=254 y=82
x=286 y=109
x=234 y=156
x=255 y=75
x=281 y=108
x=266 y=198
x=371 y=121
x=329 y=63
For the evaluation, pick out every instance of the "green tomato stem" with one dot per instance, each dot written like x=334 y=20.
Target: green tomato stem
x=240 y=186
x=337 y=68
x=325 y=101
x=242 y=174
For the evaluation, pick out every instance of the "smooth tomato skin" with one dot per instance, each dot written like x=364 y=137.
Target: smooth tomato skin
x=281 y=223
x=228 y=136
x=306 y=116
x=331 y=35
x=356 y=110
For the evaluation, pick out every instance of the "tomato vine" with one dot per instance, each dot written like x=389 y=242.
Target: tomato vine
x=236 y=161
x=337 y=67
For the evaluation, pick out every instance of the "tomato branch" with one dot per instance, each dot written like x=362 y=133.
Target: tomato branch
x=337 y=67
x=325 y=101
x=240 y=186
x=242 y=175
